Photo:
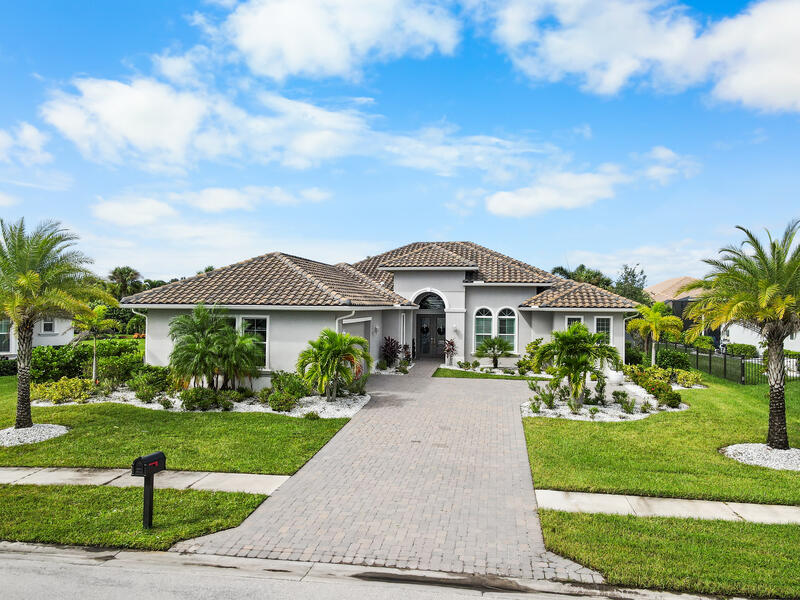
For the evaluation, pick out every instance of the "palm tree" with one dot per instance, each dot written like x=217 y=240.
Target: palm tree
x=94 y=324
x=654 y=321
x=126 y=280
x=584 y=274
x=196 y=340
x=757 y=284
x=575 y=353
x=332 y=358
x=41 y=275
x=494 y=348
x=239 y=356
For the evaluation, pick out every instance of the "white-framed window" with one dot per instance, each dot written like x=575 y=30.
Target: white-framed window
x=483 y=325
x=507 y=326
x=5 y=335
x=603 y=325
x=259 y=327
x=571 y=320
x=48 y=326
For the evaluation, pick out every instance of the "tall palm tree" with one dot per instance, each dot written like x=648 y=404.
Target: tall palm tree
x=332 y=358
x=94 y=324
x=575 y=353
x=196 y=342
x=126 y=280
x=584 y=274
x=41 y=275
x=652 y=322
x=756 y=283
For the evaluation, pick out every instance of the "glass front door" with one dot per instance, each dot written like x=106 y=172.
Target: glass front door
x=431 y=334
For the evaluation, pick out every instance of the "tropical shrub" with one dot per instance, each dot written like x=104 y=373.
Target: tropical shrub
x=619 y=396
x=646 y=407
x=333 y=359
x=744 y=350
x=281 y=401
x=536 y=405
x=232 y=396
x=290 y=383
x=688 y=378
x=64 y=390
x=495 y=349
x=791 y=354
x=407 y=353
x=653 y=322
x=8 y=367
x=628 y=405
x=116 y=347
x=165 y=403
x=668 y=358
x=400 y=369
x=359 y=385
x=390 y=350
x=200 y=398
x=137 y=324
x=524 y=365
x=382 y=365
x=312 y=416
x=51 y=363
x=633 y=354
x=670 y=398
x=476 y=364
x=119 y=369
x=91 y=325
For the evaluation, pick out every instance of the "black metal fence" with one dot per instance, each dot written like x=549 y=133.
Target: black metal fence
x=746 y=371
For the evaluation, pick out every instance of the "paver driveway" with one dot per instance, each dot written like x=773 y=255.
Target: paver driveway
x=431 y=474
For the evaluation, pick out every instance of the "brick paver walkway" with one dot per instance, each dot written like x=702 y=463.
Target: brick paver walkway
x=432 y=474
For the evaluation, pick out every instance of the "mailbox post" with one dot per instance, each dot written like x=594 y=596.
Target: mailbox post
x=147 y=467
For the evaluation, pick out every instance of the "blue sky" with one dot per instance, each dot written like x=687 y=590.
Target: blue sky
x=172 y=135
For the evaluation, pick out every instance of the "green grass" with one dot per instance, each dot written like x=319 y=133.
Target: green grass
x=683 y=555
x=112 y=435
x=112 y=517
x=458 y=374
x=669 y=454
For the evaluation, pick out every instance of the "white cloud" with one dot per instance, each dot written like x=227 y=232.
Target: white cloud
x=321 y=38
x=750 y=58
x=7 y=200
x=666 y=165
x=217 y=199
x=465 y=202
x=132 y=211
x=558 y=190
x=24 y=144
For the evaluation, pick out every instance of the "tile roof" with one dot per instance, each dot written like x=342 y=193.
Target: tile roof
x=429 y=255
x=571 y=294
x=492 y=267
x=274 y=279
x=668 y=290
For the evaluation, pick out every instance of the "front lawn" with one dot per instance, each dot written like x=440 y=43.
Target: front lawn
x=459 y=374
x=109 y=516
x=683 y=555
x=669 y=454
x=112 y=435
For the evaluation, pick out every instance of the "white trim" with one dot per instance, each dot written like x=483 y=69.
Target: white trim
x=491 y=318
x=455 y=310
x=341 y=308
x=269 y=334
x=430 y=290
x=585 y=309
x=568 y=317
x=47 y=333
x=516 y=325
x=610 y=326
x=356 y=320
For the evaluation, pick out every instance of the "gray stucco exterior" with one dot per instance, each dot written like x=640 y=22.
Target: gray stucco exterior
x=62 y=333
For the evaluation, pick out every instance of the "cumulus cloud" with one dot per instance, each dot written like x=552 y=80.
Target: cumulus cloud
x=749 y=58
x=321 y=38
x=558 y=190
x=218 y=199
x=132 y=211
x=667 y=165
x=24 y=144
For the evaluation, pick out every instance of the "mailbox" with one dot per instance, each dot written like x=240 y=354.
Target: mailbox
x=149 y=465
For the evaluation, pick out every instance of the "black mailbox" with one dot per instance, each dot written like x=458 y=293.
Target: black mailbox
x=148 y=465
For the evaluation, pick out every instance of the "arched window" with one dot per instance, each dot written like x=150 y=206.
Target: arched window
x=431 y=301
x=483 y=325
x=507 y=326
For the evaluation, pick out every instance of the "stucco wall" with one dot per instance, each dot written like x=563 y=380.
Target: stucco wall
x=63 y=335
x=558 y=323
x=736 y=334
x=496 y=298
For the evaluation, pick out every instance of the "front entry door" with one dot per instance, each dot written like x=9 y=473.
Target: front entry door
x=431 y=334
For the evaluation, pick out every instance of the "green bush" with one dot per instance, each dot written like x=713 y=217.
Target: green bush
x=281 y=401
x=402 y=369
x=150 y=381
x=688 y=378
x=703 y=342
x=8 y=367
x=290 y=383
x=115 y=347
x=119 y=368
x=744 y=350
x=51 y=363
x=476 y=364
x=667 y=358
x=146 y=393
x=246 y=392
x=633 y=355
x=200 y=398
x=381 y=366
x=63 y=390
x=311 y=416
x=670 y=398
x=791 y=354
x=232 y=396
x=619 y=396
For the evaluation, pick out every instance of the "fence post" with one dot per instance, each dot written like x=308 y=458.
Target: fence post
x=741 y=376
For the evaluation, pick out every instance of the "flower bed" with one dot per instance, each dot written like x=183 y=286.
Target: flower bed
x=475 y=367
x=400 y=369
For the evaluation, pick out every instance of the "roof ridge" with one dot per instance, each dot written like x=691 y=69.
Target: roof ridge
x=570 y=286
x=426 y=246
x=284 y=258
x=456 y=254
x=364 y=278
x=516 y=262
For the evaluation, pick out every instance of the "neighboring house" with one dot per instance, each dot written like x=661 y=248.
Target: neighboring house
x=420 y=294
x=736 y=333
x=47 y=332
x=667 y=292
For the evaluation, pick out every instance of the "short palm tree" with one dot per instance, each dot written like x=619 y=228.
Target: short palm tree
x=332 y=358
x=126 y=280
x=575 y=353
x=758 y=284
x=196 y=339
x=92 y=325
x=41 y=275
x=239 y=356
x=494 y=348
x=652 y=322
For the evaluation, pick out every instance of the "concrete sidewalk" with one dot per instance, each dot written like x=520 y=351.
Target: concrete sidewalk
x=643 y=506
x=180 y=480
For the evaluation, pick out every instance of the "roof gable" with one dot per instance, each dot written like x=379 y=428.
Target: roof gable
x=572 y=294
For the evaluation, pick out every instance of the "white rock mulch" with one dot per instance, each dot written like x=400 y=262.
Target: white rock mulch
x=490 y=371
x=30 y=435
x=761 y=455
x=391 y=371
x=342 y=407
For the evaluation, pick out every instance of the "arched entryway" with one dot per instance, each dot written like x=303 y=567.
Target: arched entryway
x=431 y=325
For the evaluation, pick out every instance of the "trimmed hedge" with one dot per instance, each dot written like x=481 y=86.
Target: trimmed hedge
x=51 y=363
x=8 y=367
x=744 y=350
x=668 y=358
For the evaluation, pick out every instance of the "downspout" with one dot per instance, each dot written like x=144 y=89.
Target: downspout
x=342 y=318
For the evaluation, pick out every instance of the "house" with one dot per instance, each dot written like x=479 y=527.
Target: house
x=47 y=332
x=420 y=294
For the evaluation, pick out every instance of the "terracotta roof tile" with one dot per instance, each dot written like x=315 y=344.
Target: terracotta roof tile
x=571 y=294
x=429 y=255
x=274 y=279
